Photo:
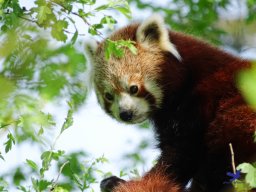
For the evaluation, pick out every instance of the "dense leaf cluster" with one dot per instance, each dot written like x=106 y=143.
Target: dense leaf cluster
x=38 y=68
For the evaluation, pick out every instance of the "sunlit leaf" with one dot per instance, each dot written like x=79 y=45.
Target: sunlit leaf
x=43 y=12
x=109 y=20
x=241 y=186
x=9 y=143
x=41 y=131
x=60 y=189
x=68 y=121
x=32 y=164
x=74 y=38
x=58 y=30
x=250 y=172
x=116 y=48
x=125 y=11
x=93 y=29
x=102 y=7
x=40 y=185
x=246 y=83
x=9 y=44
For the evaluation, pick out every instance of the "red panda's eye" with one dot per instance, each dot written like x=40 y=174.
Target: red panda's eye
x=109 y=97
x=134 y=89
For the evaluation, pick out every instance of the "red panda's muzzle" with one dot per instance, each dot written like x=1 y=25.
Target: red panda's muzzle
x=126 y=115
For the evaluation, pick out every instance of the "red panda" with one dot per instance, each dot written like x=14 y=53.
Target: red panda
x=187 y=89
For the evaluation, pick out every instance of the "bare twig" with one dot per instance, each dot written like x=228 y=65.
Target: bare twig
x=30 y=20
x=72 y=33
x=232 y=158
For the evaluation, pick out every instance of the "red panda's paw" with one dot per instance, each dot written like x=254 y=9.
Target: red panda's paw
x=108 y=184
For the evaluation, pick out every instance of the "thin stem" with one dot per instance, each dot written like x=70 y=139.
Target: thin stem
x=232 y=158
x=57 y=179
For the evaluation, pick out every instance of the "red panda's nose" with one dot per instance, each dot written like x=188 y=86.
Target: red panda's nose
x=126 y=115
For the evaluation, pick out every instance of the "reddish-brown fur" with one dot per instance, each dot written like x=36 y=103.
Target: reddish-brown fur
x=202 y=112
x=155 y=182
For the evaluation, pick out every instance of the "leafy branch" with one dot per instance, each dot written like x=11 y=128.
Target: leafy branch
x=55 y=14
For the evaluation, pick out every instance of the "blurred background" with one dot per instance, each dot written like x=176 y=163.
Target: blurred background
x=53 y=134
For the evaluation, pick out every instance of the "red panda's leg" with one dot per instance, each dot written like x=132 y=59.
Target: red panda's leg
x=108 y=184
x=154 y=181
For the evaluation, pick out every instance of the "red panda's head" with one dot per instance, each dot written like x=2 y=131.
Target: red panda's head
x=128 y=88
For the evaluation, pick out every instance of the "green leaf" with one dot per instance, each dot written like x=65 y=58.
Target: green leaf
x=109 y=20
x=122 y=6
x=32 y=164
x=57 y=155
x=122 y=173
x=112 y=48
x=246 y=83
x=74 y=38
x=4 y=28
x=42 y=13
x=102 y=7
x=250 y=172
x=40 y=2
x=77 y=180
x=58 y=30
x=3 y=185
x=4 y=125
x=87 y=2
x=69 y=120
x=93 y=29
x=43 y=184
x=241 y=186
x=116 y=48
x=9 y=44
x=46 y=158
x=8 y=144
x=40 y=185
x=1 y=156
x=22 y=188
x=125 y=11
x=18 y=176
x=101 y=159
x=52 y=82
x=41 y=131
x=60 y=189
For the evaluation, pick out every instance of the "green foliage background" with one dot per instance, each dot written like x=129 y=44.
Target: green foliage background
x=42 y=62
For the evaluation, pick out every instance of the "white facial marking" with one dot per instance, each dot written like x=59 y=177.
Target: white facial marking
x=152 y=87
x=138 y=106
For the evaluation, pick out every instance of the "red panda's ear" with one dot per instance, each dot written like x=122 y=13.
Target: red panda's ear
x=153 y=32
